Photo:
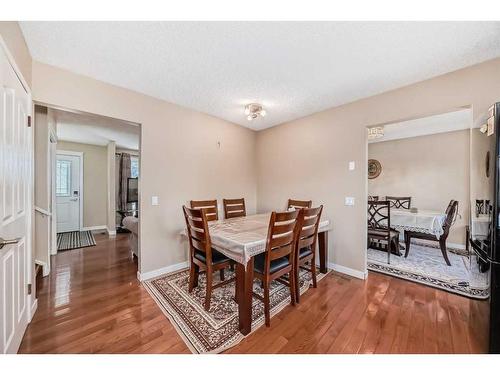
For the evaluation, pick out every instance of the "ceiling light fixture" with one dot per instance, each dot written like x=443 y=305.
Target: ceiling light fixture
x=375 y=132
x=254 y=110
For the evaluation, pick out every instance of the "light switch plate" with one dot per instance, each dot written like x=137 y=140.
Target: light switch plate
x=349 y=201
x=352 y=165
x=154 y=201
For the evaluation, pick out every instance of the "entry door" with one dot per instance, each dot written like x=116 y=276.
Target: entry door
x=68 y=192
x=15 y=206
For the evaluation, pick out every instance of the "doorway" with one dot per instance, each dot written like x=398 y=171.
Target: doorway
x=68 y=191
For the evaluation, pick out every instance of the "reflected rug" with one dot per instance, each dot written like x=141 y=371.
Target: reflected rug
x=216 y=330
x=425 y=265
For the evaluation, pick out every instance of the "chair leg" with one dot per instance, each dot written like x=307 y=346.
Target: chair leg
x=293 y=285
x=442 y=245
x=194 y=272
x=390 y=244
x=407 y=244
x=313 y=271
x=192 y=275
x=267 y=311
x=221 y=273
x=296 y=280
x=208 y=294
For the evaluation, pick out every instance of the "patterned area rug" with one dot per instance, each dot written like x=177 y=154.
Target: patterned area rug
x=216 y=330
x=75 y=240
x=425 y=265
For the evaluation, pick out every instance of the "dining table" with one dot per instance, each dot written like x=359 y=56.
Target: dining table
x=423 y=221
x=241 y=239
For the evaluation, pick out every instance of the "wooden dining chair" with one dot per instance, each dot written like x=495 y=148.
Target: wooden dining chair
x=234 y=208
x=293 y=203
x=479 y=206
x=210 y=206
x=202 y=256
x=399 y=202
x=305 y=245
x=379 y=227
x=278 y=258
x=451 y=214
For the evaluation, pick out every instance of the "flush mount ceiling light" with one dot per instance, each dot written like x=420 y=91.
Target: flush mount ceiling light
x=254 y=110
x=375 y=132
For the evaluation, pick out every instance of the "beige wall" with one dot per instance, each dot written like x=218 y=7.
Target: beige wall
x=95 y=181
x=180 y=159
x=308 y=158
x=14 y=39
x=432 y=169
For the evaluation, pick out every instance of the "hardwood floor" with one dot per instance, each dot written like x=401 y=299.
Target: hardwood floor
x=93 y=303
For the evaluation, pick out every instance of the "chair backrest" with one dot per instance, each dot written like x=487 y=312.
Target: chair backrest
x=373 y=197
x=197 y=231
x=307 y=228
x=480 y=206
x=210 y=206
x=281 y=236
x=294 y=203
x=234 y=208
x=399 y=202
x=379 y=216
x=451 y=213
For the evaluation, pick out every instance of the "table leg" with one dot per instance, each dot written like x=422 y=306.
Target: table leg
x=244 y=283
x=323 y=251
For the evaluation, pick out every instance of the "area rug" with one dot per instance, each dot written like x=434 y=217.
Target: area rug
x=75 y=240
x=216 y=330
x=425 y=265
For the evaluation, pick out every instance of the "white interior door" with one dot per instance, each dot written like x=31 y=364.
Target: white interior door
x=68 y=191
x=15 y=207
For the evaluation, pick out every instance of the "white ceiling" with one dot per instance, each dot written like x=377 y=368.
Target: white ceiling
x=96 y=130
x=442 y=123
x=292 y=68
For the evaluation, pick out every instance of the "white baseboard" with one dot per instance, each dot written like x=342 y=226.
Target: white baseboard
x=161 y=271
x=34 y=306
x=348 y=271
x=111 y=233
x=96 y=227
x=455 y=246
x=45 y=267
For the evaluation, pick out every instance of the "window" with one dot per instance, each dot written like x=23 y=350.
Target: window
x=134 y=167
x=63 y=178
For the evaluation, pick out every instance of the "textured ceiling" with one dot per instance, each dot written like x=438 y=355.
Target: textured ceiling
x=96 y=130
x=442 y=123
x=292 y=68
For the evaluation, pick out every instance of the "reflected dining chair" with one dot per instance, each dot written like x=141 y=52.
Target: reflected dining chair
x=210 y=206
x=305 y=247
x=379 y=227
x=278 y=258
x=451 y=214
x=293 y=203
x=399 y=202
x=234 y=208
x=202 y=256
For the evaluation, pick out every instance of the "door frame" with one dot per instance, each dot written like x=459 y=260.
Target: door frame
x=80 y=155
x=32 y=301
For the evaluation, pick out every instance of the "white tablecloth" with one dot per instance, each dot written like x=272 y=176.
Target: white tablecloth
x=241 y=238
x=422 y=221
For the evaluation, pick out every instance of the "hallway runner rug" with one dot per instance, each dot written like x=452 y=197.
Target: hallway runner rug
x=75 y=240
x=216 y=330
